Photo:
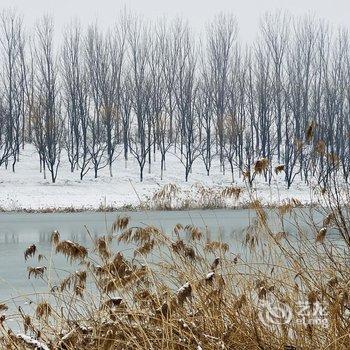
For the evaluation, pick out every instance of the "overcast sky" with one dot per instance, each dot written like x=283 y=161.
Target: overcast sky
x=197 y=12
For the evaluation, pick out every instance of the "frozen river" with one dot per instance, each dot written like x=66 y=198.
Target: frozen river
x=19 y=230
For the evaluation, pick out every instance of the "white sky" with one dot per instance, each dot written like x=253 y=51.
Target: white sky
x=197 y=12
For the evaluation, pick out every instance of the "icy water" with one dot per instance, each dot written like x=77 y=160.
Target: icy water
x=19 y=230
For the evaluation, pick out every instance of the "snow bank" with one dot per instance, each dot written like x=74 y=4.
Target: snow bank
x=25 y=189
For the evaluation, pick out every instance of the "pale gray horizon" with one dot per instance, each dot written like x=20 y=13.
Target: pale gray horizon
x=248 y=12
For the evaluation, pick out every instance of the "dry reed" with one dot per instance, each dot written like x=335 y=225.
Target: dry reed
x=181 y=290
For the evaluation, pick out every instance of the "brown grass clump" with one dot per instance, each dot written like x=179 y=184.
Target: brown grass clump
x=232 y=191
x=184 y=293
x=121 y=223
x=261 y=165
x=3 y=307
x=102 y=246
x=55 y=237
x=171 y=197
x=72 y=250
x=279 y=168
x=36 y=271
x=193 y=232
x=165 y=197
x=43 y=310
x=214 y=246
x=182 y=249
x=288 y=205
x=180 y=290
x=75 y=281
x=30 y=251
x=321 y=235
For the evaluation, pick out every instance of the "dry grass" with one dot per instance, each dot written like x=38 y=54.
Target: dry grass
x=261 y=165
x=279 y=168
x=182 y=290
x=171 y=197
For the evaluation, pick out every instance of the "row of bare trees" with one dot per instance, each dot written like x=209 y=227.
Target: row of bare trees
x=145 y=89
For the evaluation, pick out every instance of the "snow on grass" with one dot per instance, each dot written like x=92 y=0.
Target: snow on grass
x=26 y=189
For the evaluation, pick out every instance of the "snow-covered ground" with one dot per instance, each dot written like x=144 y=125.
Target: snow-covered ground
x=26 y=188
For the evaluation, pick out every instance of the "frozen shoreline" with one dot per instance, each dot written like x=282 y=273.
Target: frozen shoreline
x=26 y=190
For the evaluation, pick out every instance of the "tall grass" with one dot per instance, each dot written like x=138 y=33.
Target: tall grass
x=198 y=196
x=184 y=290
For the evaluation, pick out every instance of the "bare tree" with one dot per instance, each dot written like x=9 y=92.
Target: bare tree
x=49 y=123
x=222 y=33
x=149 y=89
x=140 y=84
x=95 y=51
x=111 y=62
x=71 y=74
x=12 y=45
x=126 y=107
x=160 y=95
x=185 y=92
x=274 y=29
x=205 y=109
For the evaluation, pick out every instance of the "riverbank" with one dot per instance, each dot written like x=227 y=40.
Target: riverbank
x=26 y=190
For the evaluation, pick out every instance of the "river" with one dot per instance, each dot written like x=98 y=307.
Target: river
x=19 y=230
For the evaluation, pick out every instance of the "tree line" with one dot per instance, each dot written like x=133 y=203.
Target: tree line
x=141 y=90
